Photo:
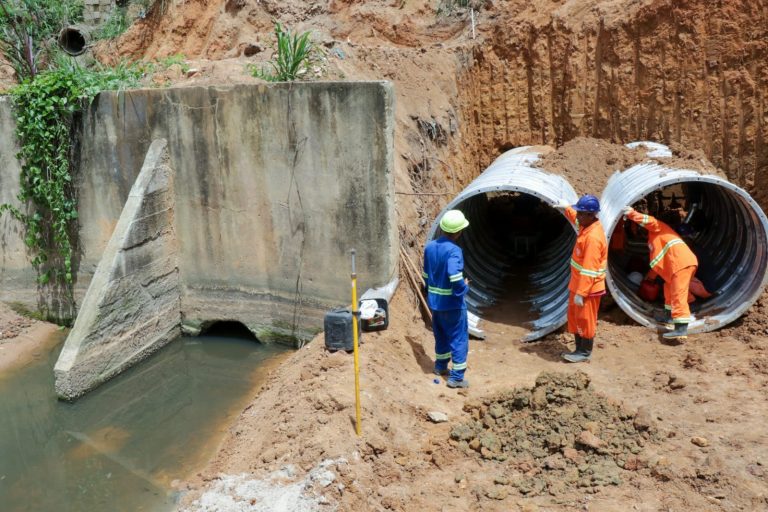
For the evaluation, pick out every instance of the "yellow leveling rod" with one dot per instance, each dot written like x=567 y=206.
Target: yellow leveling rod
x=355 y=315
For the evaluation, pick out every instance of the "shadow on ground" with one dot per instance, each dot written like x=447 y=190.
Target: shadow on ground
x=547 y=349
x=425 y=362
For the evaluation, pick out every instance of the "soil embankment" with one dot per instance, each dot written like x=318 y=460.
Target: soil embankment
x=690 y=74
x=682 y=425
x=23 y=339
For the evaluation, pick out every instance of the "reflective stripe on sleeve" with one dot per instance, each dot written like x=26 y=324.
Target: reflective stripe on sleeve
x=675 y=241
x=585 y=271
x=456 y=277
x=440 y=291
x=644 y=221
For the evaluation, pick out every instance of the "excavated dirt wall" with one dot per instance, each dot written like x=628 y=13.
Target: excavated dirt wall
x=688 y=72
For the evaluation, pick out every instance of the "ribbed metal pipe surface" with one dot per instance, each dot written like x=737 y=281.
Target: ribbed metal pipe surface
x=732 y=249
x=486 y=264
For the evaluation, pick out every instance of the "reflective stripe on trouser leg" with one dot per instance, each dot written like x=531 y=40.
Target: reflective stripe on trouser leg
x=583 y=320
x=454 y=326
x=442 y=341
x=681 y=280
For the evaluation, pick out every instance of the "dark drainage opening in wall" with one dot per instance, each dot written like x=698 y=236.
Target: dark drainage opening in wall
x=228 y=329
x=516 y=254
x=73 y=40
x=722 y=226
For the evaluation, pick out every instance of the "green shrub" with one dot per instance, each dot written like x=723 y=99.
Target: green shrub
x=26 y=26
x=448 y=7
x=116 y=24
x=172 y=60
x=292 y=57
x=44 y=108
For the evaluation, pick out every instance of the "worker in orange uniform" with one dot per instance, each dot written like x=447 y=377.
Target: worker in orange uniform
x=675 y=263
x=587 y=284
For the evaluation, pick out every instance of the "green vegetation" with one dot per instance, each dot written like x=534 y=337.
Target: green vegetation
x=116 y=24
x=45 y=107
x=53 y=90
x=448 y=7
x=27 y=26
x=294 y=54
x=22 y=310
x=172 y=60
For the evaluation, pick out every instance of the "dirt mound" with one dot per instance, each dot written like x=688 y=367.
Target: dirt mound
x=22 y=338
x=587 y=163
x=12 y=324
x=558 y=434
x=694 y=159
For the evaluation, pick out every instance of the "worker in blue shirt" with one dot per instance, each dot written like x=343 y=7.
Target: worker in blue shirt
x=446 y=288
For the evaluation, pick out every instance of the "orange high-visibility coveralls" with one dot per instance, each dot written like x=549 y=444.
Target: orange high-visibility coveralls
x=671 y=259
x=588 y=263
x=619 y=237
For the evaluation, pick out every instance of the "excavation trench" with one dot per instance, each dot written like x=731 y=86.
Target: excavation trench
x=727 y=231
x=516 y=248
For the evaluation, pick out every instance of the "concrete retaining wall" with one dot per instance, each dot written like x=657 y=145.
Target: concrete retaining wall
x=274 y=185
x=17 y=276
x=132 y=306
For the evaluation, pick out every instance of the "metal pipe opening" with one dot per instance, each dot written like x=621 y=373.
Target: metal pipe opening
x=74 y=40
x=517 y=246
x=727 y=230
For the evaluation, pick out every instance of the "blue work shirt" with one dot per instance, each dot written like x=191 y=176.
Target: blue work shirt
x=444 y=275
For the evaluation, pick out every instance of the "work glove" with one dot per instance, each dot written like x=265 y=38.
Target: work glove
x=578 y=300
x=562 y=204
x=627 y=210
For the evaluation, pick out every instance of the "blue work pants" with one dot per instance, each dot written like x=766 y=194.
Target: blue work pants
x=451 y=341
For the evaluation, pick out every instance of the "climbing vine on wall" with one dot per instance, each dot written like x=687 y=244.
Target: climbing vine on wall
x=45 y=108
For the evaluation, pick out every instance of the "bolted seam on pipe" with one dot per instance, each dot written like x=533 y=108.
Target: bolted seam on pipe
x=738 y=245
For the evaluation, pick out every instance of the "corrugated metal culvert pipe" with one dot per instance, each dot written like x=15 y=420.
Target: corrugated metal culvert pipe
x=516 y=241
x=74 y=39
x=729 y=237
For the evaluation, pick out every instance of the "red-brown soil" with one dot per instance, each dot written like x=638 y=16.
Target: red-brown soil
x=691 y=74
x=22 y=339
x=714 y=388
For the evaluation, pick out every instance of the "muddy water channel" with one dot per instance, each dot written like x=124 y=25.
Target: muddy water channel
x=121 y=447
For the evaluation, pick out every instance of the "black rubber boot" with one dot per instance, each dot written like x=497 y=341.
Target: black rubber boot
x=583 y=354
x=663 y=317
x=680 y=332
x=579 y=342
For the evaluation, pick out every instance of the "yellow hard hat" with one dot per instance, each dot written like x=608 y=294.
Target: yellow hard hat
x=453 y=221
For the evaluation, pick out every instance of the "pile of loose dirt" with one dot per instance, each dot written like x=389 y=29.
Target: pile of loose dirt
x=22 y=339
x=587 y=163
x=560 y=434
x=12 y=324
x=694 y=159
